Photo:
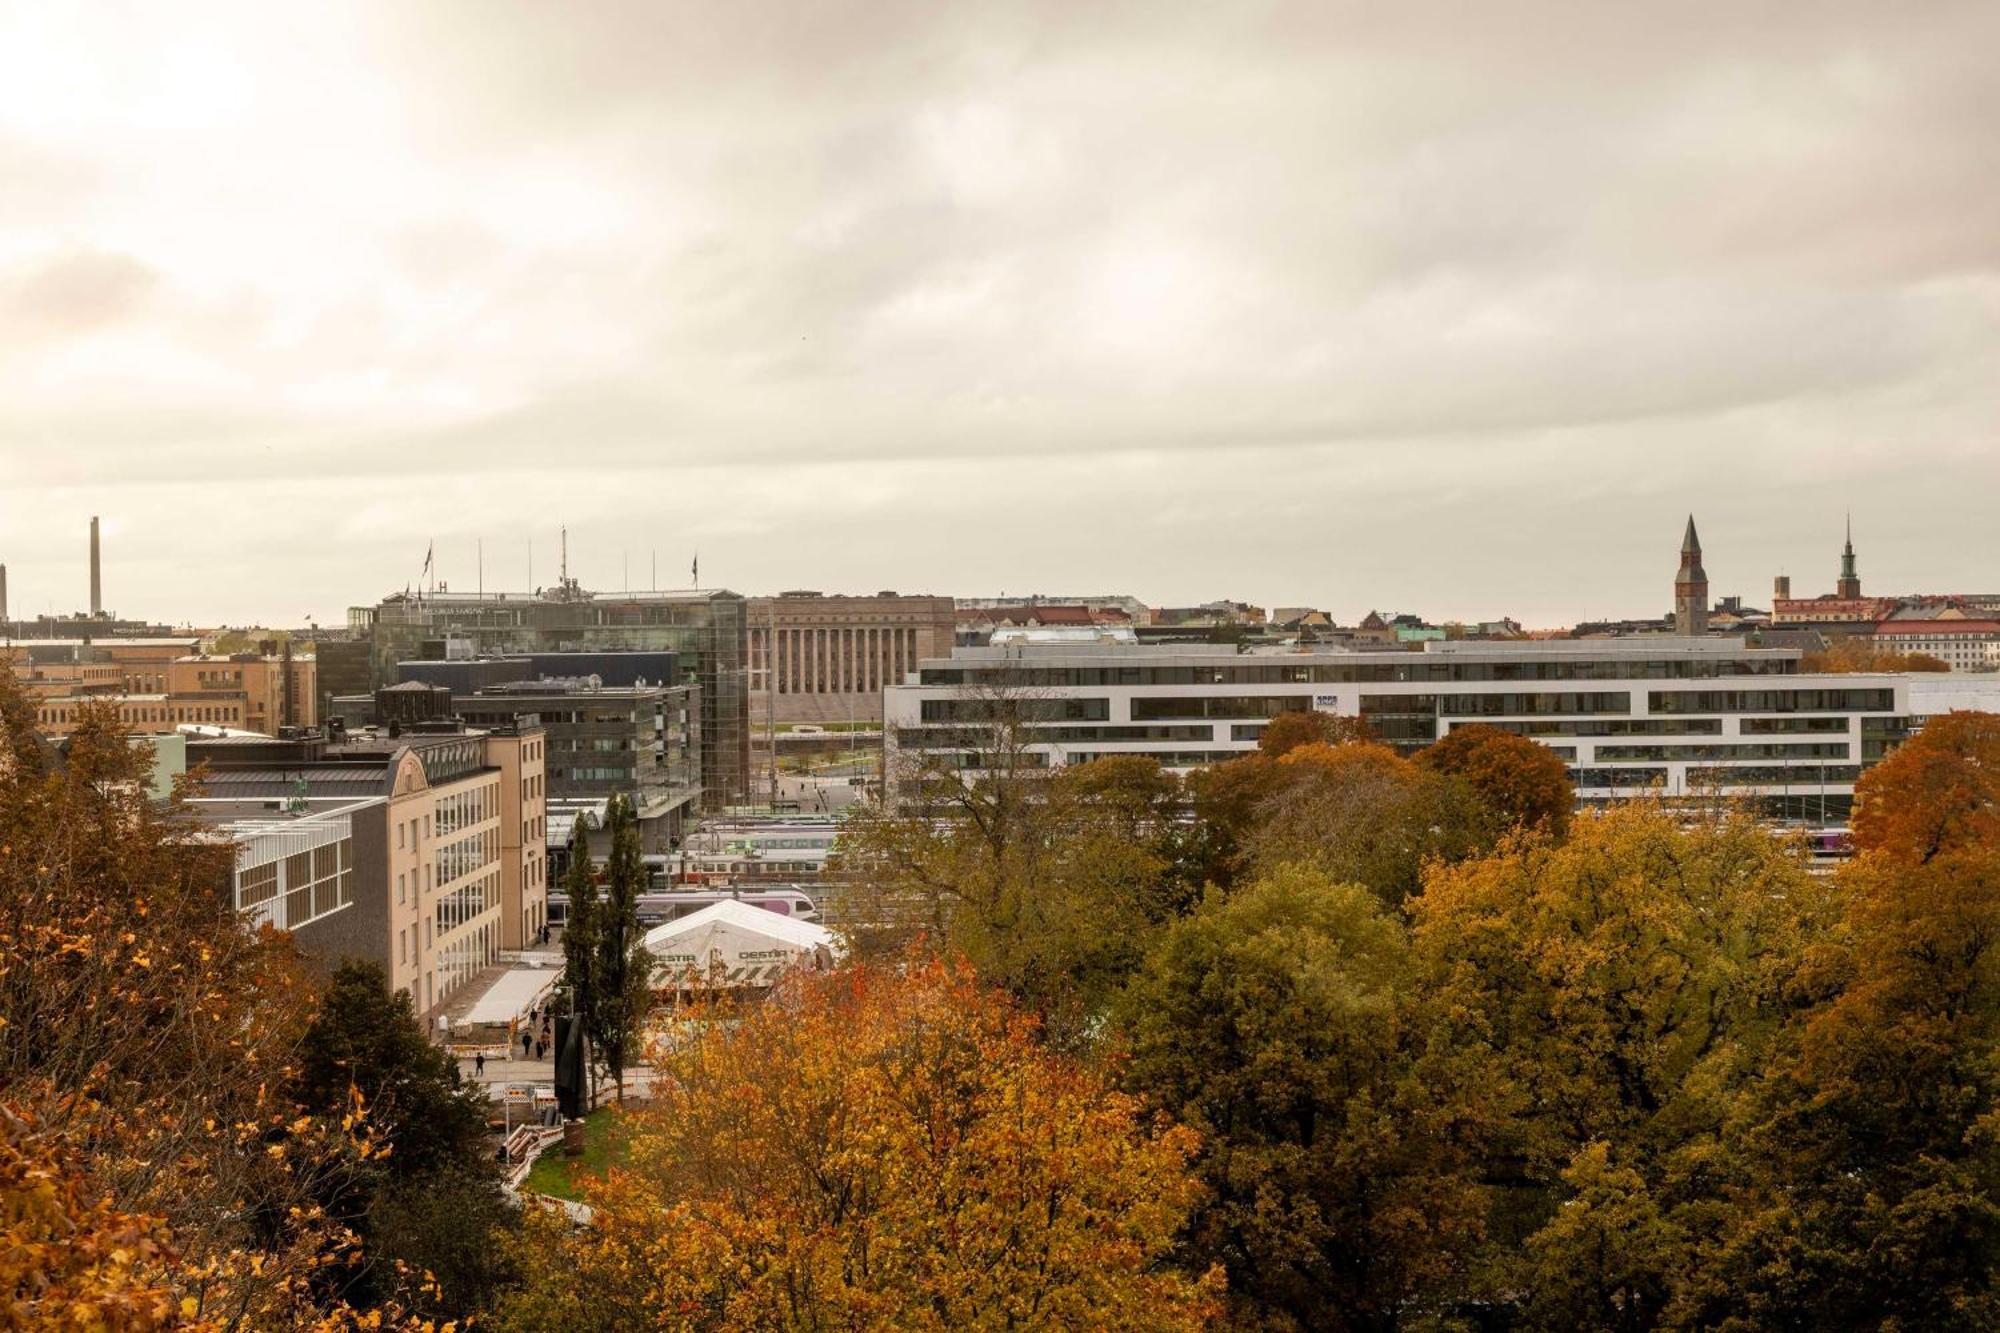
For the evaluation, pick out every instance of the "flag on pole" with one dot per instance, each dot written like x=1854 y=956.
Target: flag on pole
x=695 y=573
x=429 y=551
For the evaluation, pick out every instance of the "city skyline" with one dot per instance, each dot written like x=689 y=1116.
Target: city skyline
x=1310 y=304
x=435 y=571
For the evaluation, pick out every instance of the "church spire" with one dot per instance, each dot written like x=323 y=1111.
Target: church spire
x=1850 y=578
x=1691 y=544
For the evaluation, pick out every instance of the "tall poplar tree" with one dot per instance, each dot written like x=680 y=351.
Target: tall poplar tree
x=581 y=925
x=623 y=967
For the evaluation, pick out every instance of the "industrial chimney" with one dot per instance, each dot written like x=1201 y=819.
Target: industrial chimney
x=96 y=575
x=3 y=599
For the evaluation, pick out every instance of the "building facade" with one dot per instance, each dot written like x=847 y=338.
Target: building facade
x=642 y=742
x=160 y=685
x=1628 y=717
x=825 y=659
x=708 y=630
x=1961 y=644
x=435 y=842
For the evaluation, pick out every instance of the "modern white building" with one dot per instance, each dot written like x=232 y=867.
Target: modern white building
x=1629 y=716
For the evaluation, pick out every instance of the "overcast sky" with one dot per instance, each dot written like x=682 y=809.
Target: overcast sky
x=1455 y=309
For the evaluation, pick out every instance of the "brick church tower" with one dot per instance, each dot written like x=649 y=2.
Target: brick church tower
x=1691 y=588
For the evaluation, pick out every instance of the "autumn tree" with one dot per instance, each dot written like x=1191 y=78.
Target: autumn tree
x=1939 y=792
x=620 y=991
x=1361 y=813
x=147 y=1035
x=1229 y=801
x=880 y=1148
x=1855 y=652
x=429 y=1209
x=1868 y=1160
x=1633 y=981
x=1309 y=726
x=1523 y=785
x=1048 y=881
x=1341 y=1117
x=68 y=1257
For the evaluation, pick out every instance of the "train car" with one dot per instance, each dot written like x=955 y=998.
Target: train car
x=660 y=907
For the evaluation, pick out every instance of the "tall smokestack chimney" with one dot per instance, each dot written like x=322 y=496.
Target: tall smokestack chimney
x=96 y=575
x=3 y=599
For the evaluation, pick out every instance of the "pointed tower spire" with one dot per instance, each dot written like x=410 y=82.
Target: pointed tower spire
x=1691 y=588
x=1850 y=578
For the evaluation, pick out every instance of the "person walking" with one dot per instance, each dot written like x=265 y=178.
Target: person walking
x=527 y=1042
x=479 y=1064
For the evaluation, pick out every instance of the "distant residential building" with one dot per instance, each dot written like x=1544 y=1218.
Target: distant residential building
x=1962 y=644
x=424 y=852
x=982 y=624
x=825 y=658
x=1211 y=613
x=1136 y=612
x=158 y=685
x=279 y=689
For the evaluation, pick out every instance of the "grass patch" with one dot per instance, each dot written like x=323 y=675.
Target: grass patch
x=563 y=1177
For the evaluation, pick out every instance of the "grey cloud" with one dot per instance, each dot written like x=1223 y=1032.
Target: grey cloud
x=72 y=293
x=1519 y=279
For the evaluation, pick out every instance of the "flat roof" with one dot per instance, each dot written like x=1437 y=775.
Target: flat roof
x=1174 y=654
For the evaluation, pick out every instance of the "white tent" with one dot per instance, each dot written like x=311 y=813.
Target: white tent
x=734 y=944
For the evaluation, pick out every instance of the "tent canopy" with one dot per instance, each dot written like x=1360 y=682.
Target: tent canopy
x=735 y=944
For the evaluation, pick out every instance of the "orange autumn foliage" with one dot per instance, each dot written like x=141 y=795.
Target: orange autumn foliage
x=145 y=1035
x=1309 y=726
x=1522 y=784
x=878 y=1148
x=1939 y=792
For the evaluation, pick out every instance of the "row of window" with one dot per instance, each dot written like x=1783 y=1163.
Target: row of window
x=63 y=715
x=1421 y=668
x=466 y=808
x=456 y=860
x=1769 y=775
x=299 y=888
x=461 y=905
x=1778 y=750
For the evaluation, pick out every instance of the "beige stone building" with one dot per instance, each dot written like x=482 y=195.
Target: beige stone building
x=159 y=685
x=436 y=855
x=819 y=658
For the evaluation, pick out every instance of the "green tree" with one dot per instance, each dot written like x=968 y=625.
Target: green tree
x=1363 y=814
x=1341 y=1117
x=582 y=928
x=432 y=1203
x=1634 y=981
x=621 y=978
x=1047 y=883
x=1870 y=1154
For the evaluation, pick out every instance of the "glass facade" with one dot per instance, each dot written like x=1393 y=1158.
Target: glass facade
x=708 y=631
